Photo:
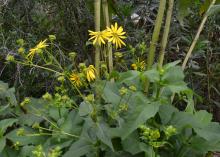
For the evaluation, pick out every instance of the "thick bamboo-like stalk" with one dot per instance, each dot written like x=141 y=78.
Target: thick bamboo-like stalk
x=97 y=8
x=165 y=34
x=154 y=40
x=107 y=23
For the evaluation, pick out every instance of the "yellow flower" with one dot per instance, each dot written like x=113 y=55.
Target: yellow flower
x=90 y=73
x=134 y=66
x=36 y=49
x=138 y=65
x=99 y=37
x=76 y=80
x=116 y=35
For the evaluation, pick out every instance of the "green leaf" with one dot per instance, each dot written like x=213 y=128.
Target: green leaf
x=131 y=143
x=203 y=117
x=210 y=132
x=85 y=109
x=26 y=140
x=9 y=152
x=201 y=145
x=166 y=112
x=173 y=75
x=130 y=77
x=26 y=151
x=55 y=113
x=213 y=10
x=79 y=148
x=2 y=143
x=153 y=75
x=183 y=120
x=170 y=65
x=102 y=133
x=29 y=119
x=142 y=110
x=110 y=93
x=177 y=87
x=4 y=124
x=183 y=9
x=73 y=123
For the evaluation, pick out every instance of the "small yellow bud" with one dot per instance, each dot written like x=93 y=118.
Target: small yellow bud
x=52 y=37
x=20 y=132
x=25 y=102
x=123 y=91
x=134 y=66
x=90 y=98
x=21 y=50
x=61 y=78
x=20 y=42
x=10 y=58
x=47 y=96
x=133 y=88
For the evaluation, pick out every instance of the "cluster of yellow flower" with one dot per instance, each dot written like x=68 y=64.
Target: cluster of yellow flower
x=138 y=65
x=113 y=34
x=87 y=73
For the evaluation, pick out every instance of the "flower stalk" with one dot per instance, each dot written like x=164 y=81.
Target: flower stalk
x=97 y=6
x=109 y=45
x=165 y=34
x=154 y=40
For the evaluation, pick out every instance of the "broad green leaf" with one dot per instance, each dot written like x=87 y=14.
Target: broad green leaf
x=26 y=151
x=56 y=113
x=111 y=93
x=26 y=140
x=29 y=119
x=79 y=149
x=204 y=117
x=166 y=112
x=210 y=132
x=102 y=133
x=172 y=64
x=203 y=146
x=9 y=152
x=85 y=109
x=130 y=77
x=177 y=87
x=183 y=9
x=73 y=123
x=153 y=75
x=142 y=110
x=7 y=123
x=183 y=120
x=173 y=75
x=2 y=143
x=131 y=143
x=214 y=10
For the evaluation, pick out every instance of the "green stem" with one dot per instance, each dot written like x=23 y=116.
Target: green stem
x=107 y=23
x=97 y=8
x=165 y=34
x=38 y=66
x=154 y=40
x=189 y=53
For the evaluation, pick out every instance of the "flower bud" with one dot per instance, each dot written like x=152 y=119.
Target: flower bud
x=21 y=50
x=123 y=91
x=10 y=58
x=133 y=88
x=52 y=37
